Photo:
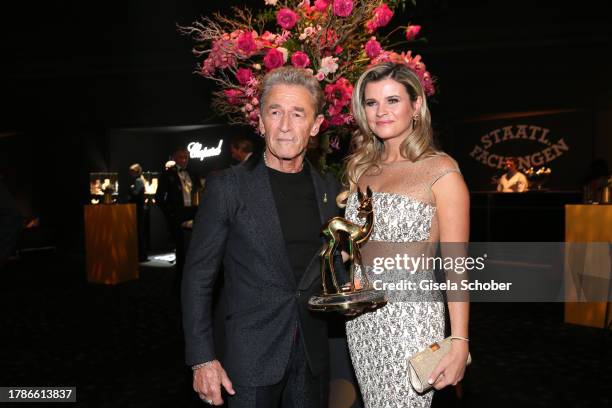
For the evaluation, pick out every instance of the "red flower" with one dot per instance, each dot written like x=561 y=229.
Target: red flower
x=286 y=18
x=343 y=8
x=246 y=43
x=273 y=59
x=233 y=96
x=372 y=48
x=244 y=75
x=338 y=95
x=412 y=31
x=321 y=5
x=382 y=15
x=300 y=59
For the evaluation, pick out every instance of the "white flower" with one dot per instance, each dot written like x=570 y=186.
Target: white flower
x=308 y=32
x=329 y=65
x=271 y=2
x=257 y=66
x=285 y=53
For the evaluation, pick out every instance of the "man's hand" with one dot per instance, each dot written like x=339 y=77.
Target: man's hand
x=207 y=383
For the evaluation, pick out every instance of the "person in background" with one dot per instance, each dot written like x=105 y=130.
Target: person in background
x=513 y=181
x=10 y=223
x=174 y=198
x=137 y=197
x=241 y=149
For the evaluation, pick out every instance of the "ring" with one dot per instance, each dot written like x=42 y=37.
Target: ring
x=209 y=402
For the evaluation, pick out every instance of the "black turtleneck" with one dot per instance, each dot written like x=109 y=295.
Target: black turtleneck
x=296 y=204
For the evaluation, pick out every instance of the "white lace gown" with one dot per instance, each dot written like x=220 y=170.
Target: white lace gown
x=381 y=342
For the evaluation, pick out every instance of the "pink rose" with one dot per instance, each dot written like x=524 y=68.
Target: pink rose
x=321 y=5
x=233 y=96
x=246 y=43
x=371 y=26
x=286 y=18
x=300 y=59
x=343 y=8
x=412 y=31
x=244 y=75
x=382 y=15
x=372 y=48
x=273 y=59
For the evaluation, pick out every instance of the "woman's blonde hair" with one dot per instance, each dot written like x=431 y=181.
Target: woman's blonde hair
x=366 y=148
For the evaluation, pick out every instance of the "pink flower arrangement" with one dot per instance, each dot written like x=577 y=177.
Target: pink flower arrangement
x=334 y=39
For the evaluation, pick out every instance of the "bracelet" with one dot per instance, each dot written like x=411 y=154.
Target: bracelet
x=459 y=338
x=201 y=365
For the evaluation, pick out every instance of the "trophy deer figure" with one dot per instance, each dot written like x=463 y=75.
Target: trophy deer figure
x=356 y=235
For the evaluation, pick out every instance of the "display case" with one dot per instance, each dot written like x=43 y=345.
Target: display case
x=151 y=184
x=103 y=188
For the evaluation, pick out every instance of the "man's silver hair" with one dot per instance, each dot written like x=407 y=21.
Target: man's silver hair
x=297 y=77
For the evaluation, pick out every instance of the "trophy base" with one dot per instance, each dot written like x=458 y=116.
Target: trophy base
x=341 y=302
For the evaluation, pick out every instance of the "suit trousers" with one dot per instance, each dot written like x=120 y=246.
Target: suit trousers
x=298 y=388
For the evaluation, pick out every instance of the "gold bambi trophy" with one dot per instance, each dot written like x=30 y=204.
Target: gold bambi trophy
x=347 y=298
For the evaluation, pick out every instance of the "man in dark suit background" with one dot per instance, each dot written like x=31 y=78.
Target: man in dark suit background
x=262 y=220
x=177 y=185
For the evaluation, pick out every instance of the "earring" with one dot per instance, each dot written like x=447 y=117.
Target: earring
x=415 y=119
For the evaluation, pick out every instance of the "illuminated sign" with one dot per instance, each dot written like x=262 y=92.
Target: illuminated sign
x=551 y=151
x=197 y=152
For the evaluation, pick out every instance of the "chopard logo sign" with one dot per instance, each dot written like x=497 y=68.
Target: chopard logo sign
x=480 y=151
x=197 y=152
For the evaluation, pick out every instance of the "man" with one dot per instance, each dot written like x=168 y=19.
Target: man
x=263 y=220
x=136 y=196
x=241 y=149
x=173 y=196
x=513 y=181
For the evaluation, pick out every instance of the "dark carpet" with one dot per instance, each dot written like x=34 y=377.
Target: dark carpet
x=122 y=346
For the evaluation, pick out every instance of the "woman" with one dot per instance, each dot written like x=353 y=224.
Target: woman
x=420 y=199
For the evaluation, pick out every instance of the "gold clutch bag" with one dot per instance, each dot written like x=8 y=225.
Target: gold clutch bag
x=423 y=363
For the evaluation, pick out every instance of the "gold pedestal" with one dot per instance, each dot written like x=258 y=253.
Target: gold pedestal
x=111 y=244
x=588 y=223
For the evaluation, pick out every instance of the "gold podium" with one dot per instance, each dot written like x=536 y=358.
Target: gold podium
x=111 y=245
x=588 y=223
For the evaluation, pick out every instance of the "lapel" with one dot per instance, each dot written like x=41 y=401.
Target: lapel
x=326 y=202
x=260 y=201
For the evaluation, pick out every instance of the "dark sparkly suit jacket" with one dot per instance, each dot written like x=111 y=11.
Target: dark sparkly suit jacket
x=237 y=224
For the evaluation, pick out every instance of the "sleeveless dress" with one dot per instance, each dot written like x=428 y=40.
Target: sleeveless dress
x=405 y=222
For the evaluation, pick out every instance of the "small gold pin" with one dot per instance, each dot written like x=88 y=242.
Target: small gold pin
x=324 y=197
